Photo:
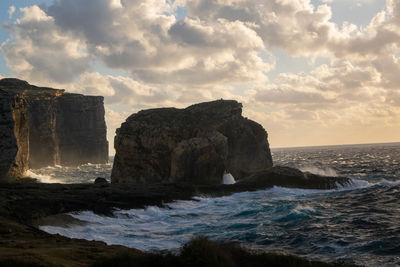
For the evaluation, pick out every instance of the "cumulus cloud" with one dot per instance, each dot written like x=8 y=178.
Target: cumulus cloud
x=113 y=121
x=145 y=38
x=217 y=42
x=300 y=28
x=119 y=89
x=295 y=26
x=39 y=51
x=290 y=96
x=219 y=49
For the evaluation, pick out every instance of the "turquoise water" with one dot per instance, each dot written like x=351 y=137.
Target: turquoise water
x=358 y=223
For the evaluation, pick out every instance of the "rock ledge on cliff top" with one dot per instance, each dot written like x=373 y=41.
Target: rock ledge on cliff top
x=41 y=126
x=196 y=144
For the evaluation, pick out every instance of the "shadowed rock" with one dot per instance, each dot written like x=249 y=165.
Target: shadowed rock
x=100 y=180
x=293 y=178
x=193 y=144
x=42 y=126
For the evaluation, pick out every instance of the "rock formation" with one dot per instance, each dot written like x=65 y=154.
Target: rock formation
x=195 y=145
x=14 y=151
x=43 y=126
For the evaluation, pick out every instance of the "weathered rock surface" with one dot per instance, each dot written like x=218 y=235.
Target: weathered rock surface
x=14 y=153
x=194 y=144
x=43 y=127
x=81 y=129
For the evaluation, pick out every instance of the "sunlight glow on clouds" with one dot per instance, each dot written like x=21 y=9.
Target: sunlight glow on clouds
x=221 y=49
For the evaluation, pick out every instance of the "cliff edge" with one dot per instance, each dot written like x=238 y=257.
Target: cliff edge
x=42 y=126
x=196 y=144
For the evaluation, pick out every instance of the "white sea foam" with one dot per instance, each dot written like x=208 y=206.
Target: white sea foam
x=42 y=178
x=315 y=170
x=228 y=179
x=303 y=208
x=160 y=228
x=360 y=184
x=61 y=174
x=385 y=182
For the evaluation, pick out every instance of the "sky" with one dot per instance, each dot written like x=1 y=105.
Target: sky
x=312 y=72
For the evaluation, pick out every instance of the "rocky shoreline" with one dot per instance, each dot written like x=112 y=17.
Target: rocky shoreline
x=25 y=205
x=28 y=201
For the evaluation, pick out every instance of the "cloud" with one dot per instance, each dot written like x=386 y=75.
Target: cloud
x=217 y=42
x=11 y=11
x=300 y=28
x=116 y=90
x=280 y=96
x=39 y=51
x=114 y=120
x=146 y=39
x=295 y=26
x=220 y=49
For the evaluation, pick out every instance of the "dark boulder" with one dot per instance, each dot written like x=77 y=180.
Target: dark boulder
x=100 y=180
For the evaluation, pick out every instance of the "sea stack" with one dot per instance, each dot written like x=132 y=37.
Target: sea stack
x=194 y=145
x=43 y=127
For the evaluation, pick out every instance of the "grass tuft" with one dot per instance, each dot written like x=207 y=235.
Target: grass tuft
x=201 y=252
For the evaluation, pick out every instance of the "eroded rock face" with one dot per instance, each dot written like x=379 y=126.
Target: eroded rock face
x=44 y=126
x=14 y=148
x=81 y=130
x=195 y=145
x=200 y=159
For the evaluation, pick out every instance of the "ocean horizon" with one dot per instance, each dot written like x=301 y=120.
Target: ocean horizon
x=336 y=145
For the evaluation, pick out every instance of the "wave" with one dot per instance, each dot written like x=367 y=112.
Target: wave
x=86 y=173
x=42 y=178
x=320 y=171
x=361 y=184
x=262 y=219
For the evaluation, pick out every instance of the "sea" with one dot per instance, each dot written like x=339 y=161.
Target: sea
x=359 y=223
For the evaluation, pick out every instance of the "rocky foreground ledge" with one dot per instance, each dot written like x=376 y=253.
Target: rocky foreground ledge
x=28 y=202
x=25 y=205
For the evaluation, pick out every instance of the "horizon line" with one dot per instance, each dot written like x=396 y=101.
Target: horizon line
x=356 y=144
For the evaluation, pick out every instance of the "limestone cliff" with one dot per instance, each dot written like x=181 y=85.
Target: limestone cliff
x=14 y=153
x=195 y=144
x=44 y=126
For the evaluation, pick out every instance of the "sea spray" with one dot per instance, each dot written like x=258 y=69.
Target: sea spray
x=41 y=177
x=228 y=179
x=86 y=173
x=320 y=171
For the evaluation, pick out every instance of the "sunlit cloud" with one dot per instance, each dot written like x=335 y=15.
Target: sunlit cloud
x=220 y=49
